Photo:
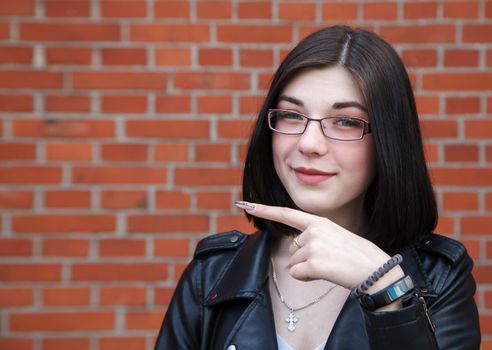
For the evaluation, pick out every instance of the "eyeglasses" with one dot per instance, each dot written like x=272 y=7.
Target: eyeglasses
x=340 y=128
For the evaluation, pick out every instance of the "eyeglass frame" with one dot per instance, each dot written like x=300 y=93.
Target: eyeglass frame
x=366 y=130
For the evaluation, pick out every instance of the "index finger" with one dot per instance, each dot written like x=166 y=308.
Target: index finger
x=288 y=216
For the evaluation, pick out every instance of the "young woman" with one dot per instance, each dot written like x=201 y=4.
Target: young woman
x=336 y=183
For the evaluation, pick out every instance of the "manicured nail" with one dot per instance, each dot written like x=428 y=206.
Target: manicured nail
x=244 y=205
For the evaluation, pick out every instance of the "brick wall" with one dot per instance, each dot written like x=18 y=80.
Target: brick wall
x=123 y=130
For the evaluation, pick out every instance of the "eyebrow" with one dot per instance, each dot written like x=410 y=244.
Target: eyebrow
x=336 y=105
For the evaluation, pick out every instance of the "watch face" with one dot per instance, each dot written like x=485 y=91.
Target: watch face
x=388 y=295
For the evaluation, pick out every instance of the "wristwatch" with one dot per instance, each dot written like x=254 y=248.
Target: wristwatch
x=388 y=295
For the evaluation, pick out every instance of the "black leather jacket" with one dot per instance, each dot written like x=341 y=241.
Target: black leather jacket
x=222 y=301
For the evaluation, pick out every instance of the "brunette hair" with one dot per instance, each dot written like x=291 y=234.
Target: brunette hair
x=400 y=202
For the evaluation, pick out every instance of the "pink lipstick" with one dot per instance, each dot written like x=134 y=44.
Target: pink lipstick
x=311 y=176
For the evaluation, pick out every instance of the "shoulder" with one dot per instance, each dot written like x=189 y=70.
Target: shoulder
x=440 y=247
x=220 y=243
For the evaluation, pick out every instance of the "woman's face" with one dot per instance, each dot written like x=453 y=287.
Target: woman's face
x=323 y=176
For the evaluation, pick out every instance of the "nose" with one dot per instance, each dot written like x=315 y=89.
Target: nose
x=313 y=141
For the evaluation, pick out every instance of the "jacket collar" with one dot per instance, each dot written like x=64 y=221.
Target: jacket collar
x=246 y=273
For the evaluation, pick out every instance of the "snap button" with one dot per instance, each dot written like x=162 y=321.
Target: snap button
x=233 y=239
x=213 y=296
x=231 y=347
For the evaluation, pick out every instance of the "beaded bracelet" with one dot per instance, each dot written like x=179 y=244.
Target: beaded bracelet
x=360 y=290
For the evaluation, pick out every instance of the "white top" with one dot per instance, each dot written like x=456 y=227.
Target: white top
x=283 y=345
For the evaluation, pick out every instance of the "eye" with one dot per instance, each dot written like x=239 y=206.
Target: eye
x=347 y=122
x=290 y=115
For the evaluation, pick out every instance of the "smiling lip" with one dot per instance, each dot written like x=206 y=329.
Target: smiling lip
x=311 y=176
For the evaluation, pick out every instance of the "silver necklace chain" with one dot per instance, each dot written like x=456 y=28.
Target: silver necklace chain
x=292 y=319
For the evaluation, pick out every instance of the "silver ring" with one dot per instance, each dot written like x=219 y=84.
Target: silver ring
x=296 y=242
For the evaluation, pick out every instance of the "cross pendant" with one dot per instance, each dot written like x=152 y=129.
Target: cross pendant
x=291 y=319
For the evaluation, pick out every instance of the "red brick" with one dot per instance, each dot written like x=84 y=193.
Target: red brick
x=69 y=31
x=119 y=80
x=68 y=55
x=234 y=222
x=17 y=343
x=58 y=321
x=64 y=296
x=461 y=176
x=63 y=128
x=124 y=56
x=192 y=33
x=420 y=58
x=250 y=104
x=485 y=324
x=461 y=58
x=172 y=200
x=119 y=272
x=473 y=248
x=488 y=9
x=482 y=273
x=37 y=272
x=254 y=9
x=66 y=103
x=17 y=151
x=488 y=153
x=427 y=104
x=66 y=247
x=162 y=296
x=489 y=58
x=264 y=81
x=431 y=152
x=124 y=104
x=420 y=10
x=173 y=57
x=4 y=30
x=476 y=225
x=214 y=9
x=17 y=8
x=168 y=128
x=234 y=128
x=16 y=55
x=340 y=11
x=144 y=320
x=15 y=247
x=16 y=103
x=168 y=223
x=67 y=199
x=460 y=201
x=135 y=296
x=419 y=34
x=124 y=152
x=297 y=10
x=65 y=343
x=457 y=81
x=214 y=200
x=172 y=104
x=124 y=199
x=171 y=247
x=214 y=104
x=215 y=57
x=462 y=105
x=460 y=9
x=10 y=199
x=122 y=343
x=171 y=152
x=213 y=153
x=207 y=80
x=207 y=176
x=30 y=175
x=31 y=79
x=477 y=33
x=178 y=271
x=480 y=129
x=445 y=225
x=42 y=223
x=121 y=247
x=69 y=151
x=124 y=8
x=239 y=33
x=255 y=58
x=380 y=10
x=58 y=8
x=171 y=9
x=461 y=153
x=16 y=297
x=119 y=175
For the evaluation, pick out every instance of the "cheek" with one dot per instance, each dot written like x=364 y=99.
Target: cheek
x=280 y=149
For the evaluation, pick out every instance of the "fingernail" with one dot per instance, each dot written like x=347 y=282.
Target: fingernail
x=244 y=205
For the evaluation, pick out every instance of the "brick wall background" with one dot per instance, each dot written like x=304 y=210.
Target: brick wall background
x=123 y=130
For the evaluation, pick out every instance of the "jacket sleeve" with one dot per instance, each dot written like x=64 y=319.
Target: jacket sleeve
x=180 y=329
x=449 y=321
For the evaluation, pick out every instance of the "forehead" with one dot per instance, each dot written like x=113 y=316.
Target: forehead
x=322 y=87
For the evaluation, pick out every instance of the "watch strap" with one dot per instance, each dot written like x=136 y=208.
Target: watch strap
x=388 y=295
